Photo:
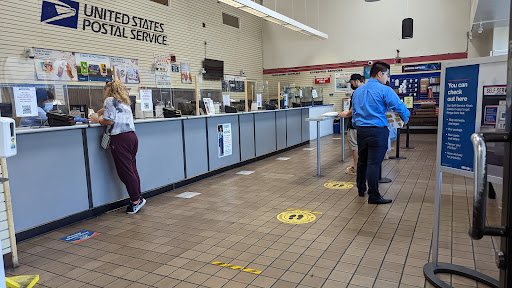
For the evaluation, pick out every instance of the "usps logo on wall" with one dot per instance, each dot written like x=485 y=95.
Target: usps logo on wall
x=62 y=13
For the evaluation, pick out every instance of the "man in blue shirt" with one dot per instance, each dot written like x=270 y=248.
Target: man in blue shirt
x=369 y=105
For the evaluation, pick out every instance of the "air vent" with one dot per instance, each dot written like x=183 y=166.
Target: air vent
x=230 y=20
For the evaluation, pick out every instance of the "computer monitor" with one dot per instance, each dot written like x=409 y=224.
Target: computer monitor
x=78 y=111
x=6 y=110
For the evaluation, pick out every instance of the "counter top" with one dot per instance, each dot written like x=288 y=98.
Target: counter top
x=29 y=130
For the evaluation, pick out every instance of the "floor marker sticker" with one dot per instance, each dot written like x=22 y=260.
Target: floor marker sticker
x=240 y=268
x=245 y=172
x=339 y=185
x=187 y=195
x=308 y=149
x=296 y=216
x=283 y=158
x=80 y=236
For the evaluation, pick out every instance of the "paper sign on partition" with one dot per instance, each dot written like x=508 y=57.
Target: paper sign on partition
x=226 y=100
x=25 y=101
x=146 y=100
x=259 y=100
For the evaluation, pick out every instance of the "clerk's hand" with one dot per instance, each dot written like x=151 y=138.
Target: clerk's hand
x=342 y=114
x=94 y=119
x=100 y=112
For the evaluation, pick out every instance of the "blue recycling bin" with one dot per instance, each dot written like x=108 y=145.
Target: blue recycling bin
x=337 y=128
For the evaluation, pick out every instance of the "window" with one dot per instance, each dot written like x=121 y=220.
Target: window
x=230 y=20
x=164 y=2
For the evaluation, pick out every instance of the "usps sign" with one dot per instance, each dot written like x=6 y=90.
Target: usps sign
x=62 y=13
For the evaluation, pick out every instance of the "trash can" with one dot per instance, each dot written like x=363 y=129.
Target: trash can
x=337 y=126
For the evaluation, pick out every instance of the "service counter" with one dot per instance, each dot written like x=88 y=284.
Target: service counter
x=61 y=175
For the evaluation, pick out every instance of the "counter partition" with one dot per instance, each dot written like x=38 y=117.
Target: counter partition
x=61 y=175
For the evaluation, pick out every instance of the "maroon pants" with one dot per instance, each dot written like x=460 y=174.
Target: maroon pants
x=124 y=148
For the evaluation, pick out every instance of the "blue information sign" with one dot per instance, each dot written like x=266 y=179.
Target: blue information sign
x=459 y=116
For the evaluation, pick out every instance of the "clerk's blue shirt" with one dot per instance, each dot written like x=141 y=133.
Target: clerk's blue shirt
x=370 y=103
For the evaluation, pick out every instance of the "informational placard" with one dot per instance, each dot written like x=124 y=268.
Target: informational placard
x=459 y=114
x=226 y=100
x=93 y=67
x=146 y=100
x=186 y=76
x=175 y=68
x=496 y=90
x=126 y=70
x=409 y=102
x=259 y=100
x=346 y=104
x=55 y=65
x=314 y=94
x=421 y=67
x=490 y=114
x=342 y=81
x=322 y=80
x=225 y=140
x=25 y=100
x=163 y=71
x=208 y=105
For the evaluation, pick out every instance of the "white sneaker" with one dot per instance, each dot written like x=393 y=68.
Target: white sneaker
x=133 y=208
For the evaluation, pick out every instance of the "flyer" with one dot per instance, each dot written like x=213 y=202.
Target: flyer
x=93 y=67
x=225 y=140
x=55 y=65
x=226 y=100
x=163 y=71
x=259 y=100
x=126 y=70
x=208 y=105
x=186 y=76
x=342 y=81
x=146 y=100
x=25 y=101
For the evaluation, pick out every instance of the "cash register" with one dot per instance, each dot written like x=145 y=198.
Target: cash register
x=57 y=119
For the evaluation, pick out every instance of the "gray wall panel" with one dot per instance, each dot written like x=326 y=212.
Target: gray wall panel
x=281 y=129
x=265 y=126
x=293 y=127
x=196 y=153
x=160 y=145
x=47 y=178
x=305 y=125
x=247 y=136
x=213 y=141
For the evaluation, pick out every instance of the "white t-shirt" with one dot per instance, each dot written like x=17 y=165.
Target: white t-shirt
x=120 y=114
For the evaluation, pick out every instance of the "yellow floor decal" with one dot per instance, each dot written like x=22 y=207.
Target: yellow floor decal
x=339 y=185
x=296 y=216
x=236 y=267
x=24 y=281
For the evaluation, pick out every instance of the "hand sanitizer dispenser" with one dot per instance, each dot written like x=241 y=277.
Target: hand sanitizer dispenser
x=7 y=137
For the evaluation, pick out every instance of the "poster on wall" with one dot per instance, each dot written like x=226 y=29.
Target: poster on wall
x=93 y=67
x=55 y=65
x=146 y=100
x=25 y=101
x=366 y=72
x=163 y=71
x=342 y=81
x=186 y=76
x=126 y=70
x=225 y=140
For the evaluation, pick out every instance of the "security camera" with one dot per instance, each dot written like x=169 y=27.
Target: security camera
x=370 y=63
x=202 y=71
x=242 y=72
x=30 y=52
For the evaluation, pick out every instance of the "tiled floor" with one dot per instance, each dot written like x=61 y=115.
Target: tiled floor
x=173 y=241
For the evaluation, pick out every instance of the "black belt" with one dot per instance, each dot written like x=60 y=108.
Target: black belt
x=371 y=127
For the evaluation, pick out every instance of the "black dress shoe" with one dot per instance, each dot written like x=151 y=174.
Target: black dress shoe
x=361 y=194
x=379 y=201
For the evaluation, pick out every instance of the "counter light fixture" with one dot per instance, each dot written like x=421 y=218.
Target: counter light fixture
x=272 y=16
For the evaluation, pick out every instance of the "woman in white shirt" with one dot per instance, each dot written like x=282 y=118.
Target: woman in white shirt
x=117 y=116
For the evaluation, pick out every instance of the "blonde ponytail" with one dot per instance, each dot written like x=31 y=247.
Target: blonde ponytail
x=117 y=90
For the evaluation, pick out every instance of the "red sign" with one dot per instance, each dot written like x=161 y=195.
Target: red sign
x=323 y=80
